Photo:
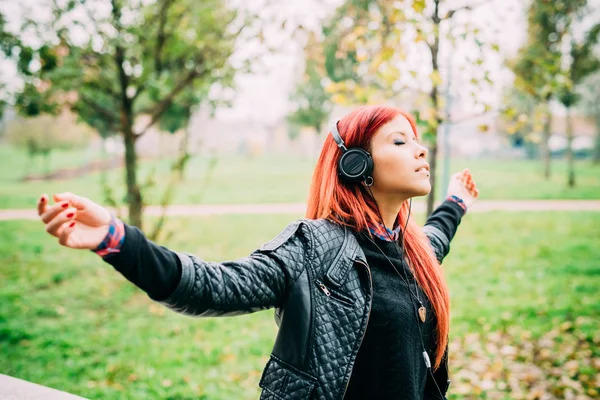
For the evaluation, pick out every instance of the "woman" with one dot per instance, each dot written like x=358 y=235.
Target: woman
x=361 y=302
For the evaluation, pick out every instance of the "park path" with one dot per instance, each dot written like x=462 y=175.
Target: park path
x=298 y=208
x=18 y=389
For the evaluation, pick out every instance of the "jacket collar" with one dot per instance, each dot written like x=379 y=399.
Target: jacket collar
x=349 y=253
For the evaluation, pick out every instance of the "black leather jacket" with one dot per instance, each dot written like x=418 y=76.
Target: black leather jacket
x=319 y=335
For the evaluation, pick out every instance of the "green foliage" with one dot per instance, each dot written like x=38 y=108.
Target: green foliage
x=162 y=62
x=311 y=99
x=44 y=134
x=582 y=61
x=32 y=102
x=538 y=64
x=523 y=321
x=518 y=114
x=9 y=43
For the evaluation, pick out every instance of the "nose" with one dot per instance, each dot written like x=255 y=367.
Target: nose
x=421 y=151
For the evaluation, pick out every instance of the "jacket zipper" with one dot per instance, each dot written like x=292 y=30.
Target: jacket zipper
x=330 y=293
x=368 y=314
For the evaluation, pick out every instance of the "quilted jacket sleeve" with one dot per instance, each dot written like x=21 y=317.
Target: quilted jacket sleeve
x=246 y=285
x=441 y=227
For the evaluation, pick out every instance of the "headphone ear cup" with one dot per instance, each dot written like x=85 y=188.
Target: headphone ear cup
x=355 y=165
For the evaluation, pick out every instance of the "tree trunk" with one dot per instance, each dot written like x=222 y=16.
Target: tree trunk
x=134 y=196
x=596 y=157
x=432 y=168
x=545 y=141
x=47 y=164
x=433 y=95
x=570 y=158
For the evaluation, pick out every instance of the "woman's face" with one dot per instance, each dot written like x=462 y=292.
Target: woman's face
x=400 y=164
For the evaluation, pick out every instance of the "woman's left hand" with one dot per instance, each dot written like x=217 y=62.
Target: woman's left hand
x=463 y=186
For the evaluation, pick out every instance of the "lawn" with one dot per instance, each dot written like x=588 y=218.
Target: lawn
x=524 y=297
x=276 y=179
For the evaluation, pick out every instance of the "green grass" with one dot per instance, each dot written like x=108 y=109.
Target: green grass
x=69 y=321
x=277 y=179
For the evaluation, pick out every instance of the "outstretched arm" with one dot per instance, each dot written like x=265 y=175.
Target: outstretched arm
x=181 y=281
x=190 y=285
x=442 y=224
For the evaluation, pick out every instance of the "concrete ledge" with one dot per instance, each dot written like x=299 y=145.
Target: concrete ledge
x=18 y=389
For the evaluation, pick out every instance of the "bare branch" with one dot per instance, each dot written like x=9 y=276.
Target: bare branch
x=162 y=106
x=161 y=36
x=98 y=108
x=106 y=89
x=468 y=7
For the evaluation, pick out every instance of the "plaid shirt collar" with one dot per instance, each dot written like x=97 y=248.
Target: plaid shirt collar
x=382 y=232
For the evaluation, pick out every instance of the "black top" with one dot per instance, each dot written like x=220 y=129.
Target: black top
x=390 y=363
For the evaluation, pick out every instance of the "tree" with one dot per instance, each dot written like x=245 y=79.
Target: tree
x=312 y=101
x=41 y=135
x=8 y=43
x=580 y=61
x=134 y=59
x=537 y=65
x=589 y=91
x=373 y=54
x=518 y=116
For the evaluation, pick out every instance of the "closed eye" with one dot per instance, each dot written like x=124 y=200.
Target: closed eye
x=399 y=142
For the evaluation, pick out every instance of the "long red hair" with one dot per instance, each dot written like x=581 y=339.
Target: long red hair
x=351 y=205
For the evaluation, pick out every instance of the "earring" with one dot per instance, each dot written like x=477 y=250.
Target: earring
x=368 y=181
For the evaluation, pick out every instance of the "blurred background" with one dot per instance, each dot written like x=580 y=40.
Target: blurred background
x=201 y=122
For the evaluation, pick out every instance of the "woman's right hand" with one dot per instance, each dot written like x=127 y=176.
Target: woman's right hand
x=76 y=221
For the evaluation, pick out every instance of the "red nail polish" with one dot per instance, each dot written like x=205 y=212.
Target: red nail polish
x=65 y=205
x=43 y=199
x=70 y=215
x=72 y=224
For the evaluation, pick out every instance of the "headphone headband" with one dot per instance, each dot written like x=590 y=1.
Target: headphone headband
x=336 y=136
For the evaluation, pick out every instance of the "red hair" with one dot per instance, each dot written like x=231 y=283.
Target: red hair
x=350 y=205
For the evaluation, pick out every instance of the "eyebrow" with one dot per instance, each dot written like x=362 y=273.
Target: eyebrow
x=403 y=134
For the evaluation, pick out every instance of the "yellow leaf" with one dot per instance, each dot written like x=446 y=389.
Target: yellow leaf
x=228 y=357
x=418 y=6
x=387 y=53
x=362 y=57
x=360 y=30
x=435 y=77
x=339 y=99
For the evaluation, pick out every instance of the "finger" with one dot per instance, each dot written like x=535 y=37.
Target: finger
x=42 y=204
x=53 y=226
x=76 y=201
x=53 y=211
x=65 y=233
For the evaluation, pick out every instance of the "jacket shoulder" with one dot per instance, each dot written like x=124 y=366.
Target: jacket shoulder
x=320 y=230
x=286 y=234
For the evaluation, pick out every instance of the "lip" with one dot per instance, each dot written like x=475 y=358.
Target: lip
x=426 y=166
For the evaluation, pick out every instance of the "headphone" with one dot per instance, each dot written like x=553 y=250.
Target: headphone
x=356 y=164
